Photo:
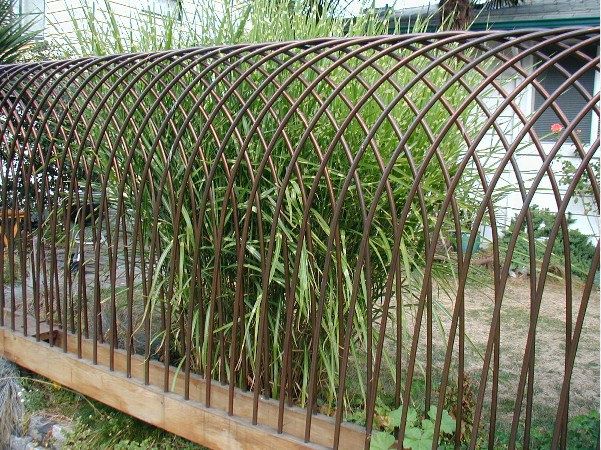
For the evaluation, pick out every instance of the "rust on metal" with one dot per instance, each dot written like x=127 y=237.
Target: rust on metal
x=288 y=220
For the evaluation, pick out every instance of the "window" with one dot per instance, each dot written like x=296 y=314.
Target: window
x=32 y=11
x=571 y=101
x=165 y=9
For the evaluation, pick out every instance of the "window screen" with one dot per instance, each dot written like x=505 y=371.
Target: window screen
x=571 y=101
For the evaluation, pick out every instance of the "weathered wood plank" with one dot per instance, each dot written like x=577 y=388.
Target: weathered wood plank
x=31 y=325
x=322 y=426
x=206 y=426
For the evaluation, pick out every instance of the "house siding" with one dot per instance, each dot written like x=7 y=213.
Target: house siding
x=541 y=10
x=529 y=161
x=528 y=14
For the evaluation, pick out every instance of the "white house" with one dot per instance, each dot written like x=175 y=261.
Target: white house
x=531 y=14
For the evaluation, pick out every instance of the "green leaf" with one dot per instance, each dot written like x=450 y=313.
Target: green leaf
x=417 y=439
x=395 y=417
x=428 y=426
x=15 y=32
x=411 y=417
x=432 y=412
x=381 y=441
x=447 y=423
x=413 y=434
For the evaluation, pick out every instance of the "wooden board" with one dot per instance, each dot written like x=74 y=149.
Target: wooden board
x=189 y=419
x=322 y=426
x=31 y=325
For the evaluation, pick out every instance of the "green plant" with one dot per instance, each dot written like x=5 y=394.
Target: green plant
x=39 y=51
x=468 y=406
x=41 y=394
x=584 y=188
x=186 y=264
x=94 y=425
x=12 y=271
x=15 y=33
x=16 y=38
x=582 y=251
x=583 y=433
x=98 y=426
x=419 y=431
x=146 y=444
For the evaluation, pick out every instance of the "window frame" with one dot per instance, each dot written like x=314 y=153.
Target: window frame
x=546 y=138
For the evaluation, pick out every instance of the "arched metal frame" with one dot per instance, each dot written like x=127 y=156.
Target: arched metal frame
x=186 y=134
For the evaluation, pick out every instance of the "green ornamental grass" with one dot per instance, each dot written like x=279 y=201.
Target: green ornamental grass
x=185 y=264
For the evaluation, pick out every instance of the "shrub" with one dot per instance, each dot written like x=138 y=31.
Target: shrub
x=194 y=253
x=582 y=251
x=15 y=34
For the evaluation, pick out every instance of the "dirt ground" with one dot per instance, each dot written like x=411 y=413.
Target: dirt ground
x=550 y=346
x=515 y=320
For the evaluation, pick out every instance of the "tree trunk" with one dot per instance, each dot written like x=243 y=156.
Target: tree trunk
x=455 y=14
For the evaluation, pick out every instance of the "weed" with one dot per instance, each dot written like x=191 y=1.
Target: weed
x=99 y=426
x=419 y=431
x=11 y=408
x=583 y=433
x=95 y=425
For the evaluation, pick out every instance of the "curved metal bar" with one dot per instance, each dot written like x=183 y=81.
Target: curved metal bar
x=288 y=218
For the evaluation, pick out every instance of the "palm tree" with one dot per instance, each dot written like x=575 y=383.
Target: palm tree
x=458 y=14
x=15 y=34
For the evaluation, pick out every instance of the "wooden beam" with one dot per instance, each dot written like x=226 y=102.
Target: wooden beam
x=31 y=325
x=322 y=426
x=189 y=419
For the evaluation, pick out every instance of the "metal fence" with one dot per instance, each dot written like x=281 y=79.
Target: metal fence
x=334 y=224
